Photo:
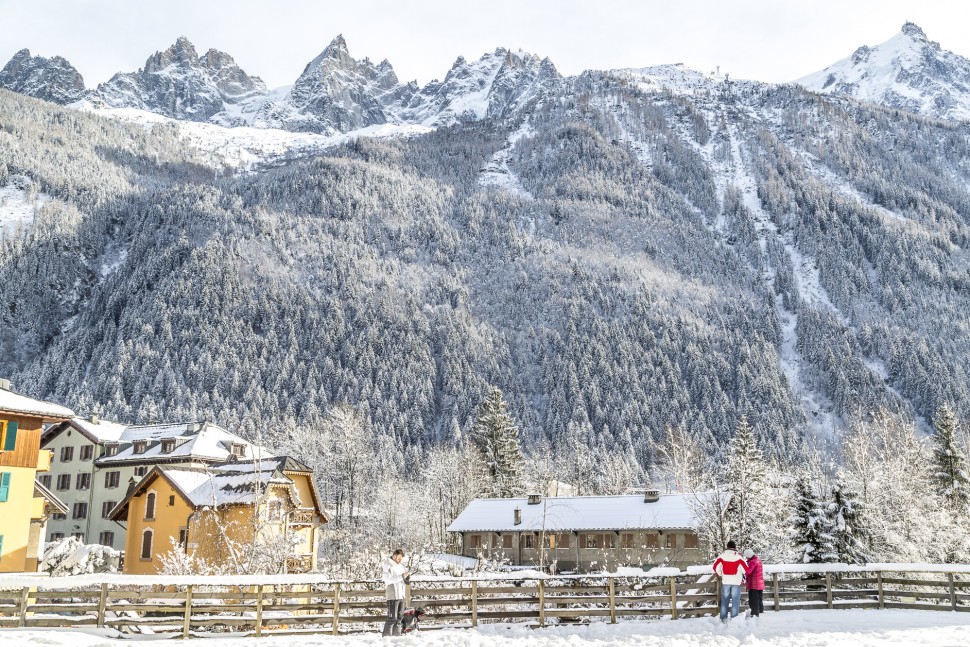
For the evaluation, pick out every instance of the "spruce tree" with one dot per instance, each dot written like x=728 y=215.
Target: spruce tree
x=811 y=525
x=950 y=465
x=849 y=537
x=496 y=436
x=747 y=482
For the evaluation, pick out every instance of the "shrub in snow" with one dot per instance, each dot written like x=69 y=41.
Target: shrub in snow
x=69 y=556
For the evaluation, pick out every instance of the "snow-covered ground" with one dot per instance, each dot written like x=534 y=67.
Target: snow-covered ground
x=822 y=628
x=17 y=209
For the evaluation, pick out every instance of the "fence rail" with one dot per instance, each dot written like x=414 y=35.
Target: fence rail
x=259 y=608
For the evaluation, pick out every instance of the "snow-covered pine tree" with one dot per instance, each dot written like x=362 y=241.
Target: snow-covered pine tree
x=747 y=483
x=496 y=436
x=811 y=526
x=950 y=465
x=849 y=537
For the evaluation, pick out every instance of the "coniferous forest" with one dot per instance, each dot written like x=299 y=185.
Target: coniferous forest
x=660 y=273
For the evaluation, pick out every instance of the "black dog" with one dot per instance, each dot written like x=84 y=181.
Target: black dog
x=411 y=619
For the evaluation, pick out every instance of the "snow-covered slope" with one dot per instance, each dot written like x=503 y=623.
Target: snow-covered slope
x=676 y=78
x=181 y=84
x=50 y=79
x=909 y=72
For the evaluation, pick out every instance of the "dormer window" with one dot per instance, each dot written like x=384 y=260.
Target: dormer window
x=140 y=447
x=238 y=450
x=168 y=446
x=110 y=450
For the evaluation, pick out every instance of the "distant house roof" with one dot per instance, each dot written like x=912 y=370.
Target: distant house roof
x=20 y=404
x=624 y=512
x=194 y=441
x=95 y=430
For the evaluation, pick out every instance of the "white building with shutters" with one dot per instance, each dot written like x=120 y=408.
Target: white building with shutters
x=95 y=461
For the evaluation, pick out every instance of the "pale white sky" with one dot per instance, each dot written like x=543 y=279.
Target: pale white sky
x=767 y=40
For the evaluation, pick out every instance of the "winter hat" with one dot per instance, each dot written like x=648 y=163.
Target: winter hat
x=748 y=553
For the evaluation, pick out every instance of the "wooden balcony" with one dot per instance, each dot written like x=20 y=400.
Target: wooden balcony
x=302 y=517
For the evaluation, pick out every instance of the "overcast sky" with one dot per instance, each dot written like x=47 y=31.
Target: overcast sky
x=767 y=40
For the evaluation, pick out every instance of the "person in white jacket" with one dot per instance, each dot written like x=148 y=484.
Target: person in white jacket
x=394 y=574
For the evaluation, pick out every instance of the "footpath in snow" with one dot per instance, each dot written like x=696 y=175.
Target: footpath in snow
x=822 y=628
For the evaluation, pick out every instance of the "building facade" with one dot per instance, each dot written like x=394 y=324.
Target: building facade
x=584 y=533
x=25 y=504
x=95 y=460
x=244 y=516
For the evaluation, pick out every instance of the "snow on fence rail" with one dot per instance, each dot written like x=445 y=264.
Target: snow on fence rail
x=256 y=606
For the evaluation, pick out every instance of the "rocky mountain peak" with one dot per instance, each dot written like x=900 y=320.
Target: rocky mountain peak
x=51 y=79
x=907 y=72
x=914 y=31
x=182 y=53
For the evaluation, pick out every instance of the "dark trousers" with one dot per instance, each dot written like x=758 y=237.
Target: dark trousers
x=395 y=611
x=756 y=600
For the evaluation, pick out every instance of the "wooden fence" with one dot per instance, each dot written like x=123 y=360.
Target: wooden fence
x=257 y=608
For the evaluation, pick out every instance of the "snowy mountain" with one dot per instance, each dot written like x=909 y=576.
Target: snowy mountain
x=908 y=72
x=51 y=79
x=336 y=94
x=179 y=83
x=498 y=85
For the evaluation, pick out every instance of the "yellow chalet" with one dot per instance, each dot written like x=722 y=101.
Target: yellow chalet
x=25 y=504
x=247 y=516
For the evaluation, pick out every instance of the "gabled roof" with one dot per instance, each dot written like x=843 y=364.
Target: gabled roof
x=15 y=403
x=285 y=464
x=42 y=492
x=624 y=512
x=202 y=442
x=214 y=486
x=97 y=432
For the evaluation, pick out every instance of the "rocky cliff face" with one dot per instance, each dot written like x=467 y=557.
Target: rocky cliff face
x=179 y=83
x=908 y=72
x=51 y=79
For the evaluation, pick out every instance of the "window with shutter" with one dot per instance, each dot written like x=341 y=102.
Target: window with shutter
x=1 y=547
x=9 y=432
x=150 y=506
x=146 y=545
x=4 y=485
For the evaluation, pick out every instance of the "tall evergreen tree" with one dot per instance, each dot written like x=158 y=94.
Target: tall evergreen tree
x=812 y=527
x=950 y=464
x=849 y=537
x=747 y=482
x=496 y=436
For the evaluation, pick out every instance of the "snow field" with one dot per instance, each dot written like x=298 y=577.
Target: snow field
x=822 y=628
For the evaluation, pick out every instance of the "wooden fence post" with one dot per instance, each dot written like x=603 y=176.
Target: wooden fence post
x=407 y=595
x=542 y=601
x=259 y=610
x=717 y=593
x=187 y=620
x=882 y=599
x=612 y=601
x=776 y=591
x=474 y=603
x=953 y=592
x=102 y=605
x=24 y=595
x=828 y=590
x=335 y=627
x=673 y=598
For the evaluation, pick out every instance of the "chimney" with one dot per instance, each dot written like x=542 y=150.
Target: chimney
x=94 y=418
x=534 y=499
x=517 y=516
x=4 y=384
x=651 y=496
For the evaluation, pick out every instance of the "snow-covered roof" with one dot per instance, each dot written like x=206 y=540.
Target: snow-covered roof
x=98 y=431
x=241 y=484
x=624 y=512
x=20 y=404
x=50 y=497
x=193 y=441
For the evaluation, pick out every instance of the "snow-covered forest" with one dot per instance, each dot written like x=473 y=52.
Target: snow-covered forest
x=646 y=273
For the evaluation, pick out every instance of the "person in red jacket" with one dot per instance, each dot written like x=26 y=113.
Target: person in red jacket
x=730 y=567
x=755 y=581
